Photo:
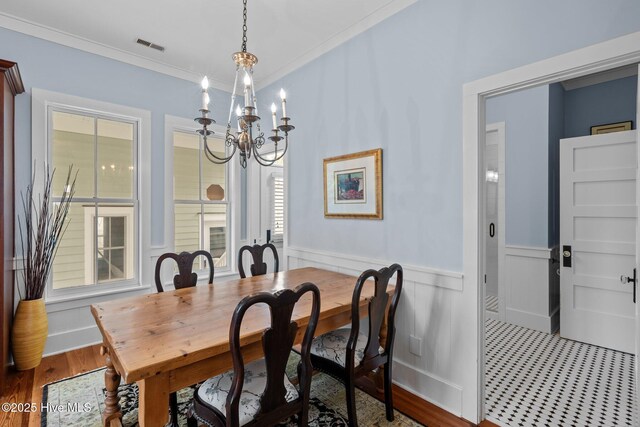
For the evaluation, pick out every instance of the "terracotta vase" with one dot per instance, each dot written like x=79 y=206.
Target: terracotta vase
x=29 y=333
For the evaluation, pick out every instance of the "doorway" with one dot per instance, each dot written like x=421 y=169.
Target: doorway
x=521 y=343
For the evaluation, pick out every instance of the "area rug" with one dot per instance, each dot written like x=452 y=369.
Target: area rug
x=79 y=401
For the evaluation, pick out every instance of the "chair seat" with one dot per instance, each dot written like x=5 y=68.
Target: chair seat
x=214 y=391
x=333 y=346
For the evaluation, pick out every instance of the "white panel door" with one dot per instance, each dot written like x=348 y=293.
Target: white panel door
x=598 y=216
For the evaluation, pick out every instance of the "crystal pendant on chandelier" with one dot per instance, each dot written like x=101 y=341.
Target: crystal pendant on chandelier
x=245 y=136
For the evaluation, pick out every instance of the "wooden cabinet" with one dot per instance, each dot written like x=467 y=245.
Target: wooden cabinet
x=10 y=86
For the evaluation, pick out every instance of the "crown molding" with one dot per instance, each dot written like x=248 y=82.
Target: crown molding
x=60 y=37
x=361 y=26
x=12 y=74
x=66 y=39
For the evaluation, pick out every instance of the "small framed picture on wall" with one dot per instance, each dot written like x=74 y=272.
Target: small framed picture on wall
x=353 y=185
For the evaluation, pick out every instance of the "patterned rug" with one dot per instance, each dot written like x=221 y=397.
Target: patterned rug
x=79 y=401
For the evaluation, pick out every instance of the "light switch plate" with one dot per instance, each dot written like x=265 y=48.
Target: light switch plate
x=415 y=345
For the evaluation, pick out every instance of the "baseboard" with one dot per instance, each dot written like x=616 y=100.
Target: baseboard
x=355 y=265
x=60 y=342
x=532 y=320
x=449 y=396
x=491 y=315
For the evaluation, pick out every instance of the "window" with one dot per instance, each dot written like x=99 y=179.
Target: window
x=114 y=245
x=109 y=146
x=200 y=194
x=277 y=206
x=99 y=246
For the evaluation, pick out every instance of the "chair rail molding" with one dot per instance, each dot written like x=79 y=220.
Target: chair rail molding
x=340 y=262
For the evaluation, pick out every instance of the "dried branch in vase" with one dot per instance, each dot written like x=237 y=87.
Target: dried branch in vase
x=44 y=225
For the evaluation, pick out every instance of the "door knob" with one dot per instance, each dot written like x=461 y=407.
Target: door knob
x=632 y=280
x=627 y=279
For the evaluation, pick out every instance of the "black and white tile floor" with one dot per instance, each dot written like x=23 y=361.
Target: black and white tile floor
x=537 y=379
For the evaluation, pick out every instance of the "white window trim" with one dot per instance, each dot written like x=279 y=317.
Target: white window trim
x=275 y=237
x=171 y=124
x=41 y=100
x=90 y=241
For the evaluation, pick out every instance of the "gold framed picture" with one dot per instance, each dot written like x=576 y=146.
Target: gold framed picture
x=611 y=127
x=353 y=185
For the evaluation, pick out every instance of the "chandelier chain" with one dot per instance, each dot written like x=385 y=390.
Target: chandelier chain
x=244 y=26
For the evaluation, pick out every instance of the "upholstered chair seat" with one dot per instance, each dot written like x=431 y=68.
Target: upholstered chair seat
x=333 y=346
x=214 y=391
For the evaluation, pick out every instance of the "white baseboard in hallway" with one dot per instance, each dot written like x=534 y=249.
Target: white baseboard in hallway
x=538 y=379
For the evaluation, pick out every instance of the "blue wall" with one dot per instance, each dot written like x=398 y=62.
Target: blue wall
x=609 y=102
x=399 y=86
x=526 y=118
x=54 y=67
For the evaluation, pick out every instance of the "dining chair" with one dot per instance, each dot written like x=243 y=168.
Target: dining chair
x=258 y=267
x=185 y=278
x=260 y=393
x=348 y=354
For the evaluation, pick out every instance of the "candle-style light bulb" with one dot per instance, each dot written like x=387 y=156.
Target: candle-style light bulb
x=205 y=95
x=247 y=88
x=283 y=97
x=273 y=115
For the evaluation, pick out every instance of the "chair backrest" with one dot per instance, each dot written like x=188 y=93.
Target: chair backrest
x=185 y=277
x=377 y=308
x=258 y=267
x=277 y=341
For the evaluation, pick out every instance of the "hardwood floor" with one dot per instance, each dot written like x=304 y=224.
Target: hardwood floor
x=26 y=387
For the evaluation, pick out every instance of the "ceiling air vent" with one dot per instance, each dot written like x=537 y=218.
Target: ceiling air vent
x=151 y=45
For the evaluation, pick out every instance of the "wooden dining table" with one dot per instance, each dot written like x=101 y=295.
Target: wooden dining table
x=170 y=340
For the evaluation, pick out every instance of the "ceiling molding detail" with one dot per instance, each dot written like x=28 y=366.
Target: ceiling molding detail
x=56 y=36
x=44 y=32
x=360 y=27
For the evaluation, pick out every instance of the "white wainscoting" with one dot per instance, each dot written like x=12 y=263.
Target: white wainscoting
x=424 y=313
x=532 y=286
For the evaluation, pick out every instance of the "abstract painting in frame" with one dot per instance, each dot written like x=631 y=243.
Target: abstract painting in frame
x=353 y=185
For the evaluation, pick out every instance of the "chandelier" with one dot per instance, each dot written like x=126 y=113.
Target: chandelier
x=247 y=136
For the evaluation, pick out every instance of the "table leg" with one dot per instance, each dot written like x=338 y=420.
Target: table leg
x=153 y=401
x=111 y=401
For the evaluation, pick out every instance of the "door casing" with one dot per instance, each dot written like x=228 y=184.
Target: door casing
x=604 y=56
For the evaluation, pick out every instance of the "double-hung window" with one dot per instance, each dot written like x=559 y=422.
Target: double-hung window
x=109 y=148
x=201 y=199
x=100 y=246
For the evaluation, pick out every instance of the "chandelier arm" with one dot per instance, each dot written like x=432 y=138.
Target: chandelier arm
x=261 y=160
x=215 y=159
x=276 y=156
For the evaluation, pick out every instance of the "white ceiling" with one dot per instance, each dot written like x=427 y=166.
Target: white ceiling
x=200 y=35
